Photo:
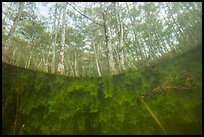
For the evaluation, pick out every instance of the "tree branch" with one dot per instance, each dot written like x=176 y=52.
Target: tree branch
x=85 y=15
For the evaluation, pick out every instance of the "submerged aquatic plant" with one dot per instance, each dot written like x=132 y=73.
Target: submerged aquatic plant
x=51 y=104
x=153 y=115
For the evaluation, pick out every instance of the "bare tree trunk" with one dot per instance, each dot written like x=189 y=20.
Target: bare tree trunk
x=18 y=60
x=61 y=63
x=31 y=54
x=109 y=45
x=120 y=35
x=13 y=61
x=72 y=70
x=110 y=54
x=54 y=41
x=122 y=47
x=75 y=65
x=53 y=59
x=97 y=61
x=47 y=63
x=39 y=63
x=84 y=70
x=28 y=64
x=137 y=40
x=15 y=23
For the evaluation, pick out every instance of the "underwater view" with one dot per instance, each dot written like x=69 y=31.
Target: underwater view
x=101 y=68
x=161 y=99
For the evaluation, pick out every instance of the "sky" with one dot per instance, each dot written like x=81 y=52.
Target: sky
x=43 y=9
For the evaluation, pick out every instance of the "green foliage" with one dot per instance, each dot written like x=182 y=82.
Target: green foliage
x=50 y=104
x=139 y=31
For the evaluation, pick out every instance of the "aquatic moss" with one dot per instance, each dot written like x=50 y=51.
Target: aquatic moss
x=49 y=104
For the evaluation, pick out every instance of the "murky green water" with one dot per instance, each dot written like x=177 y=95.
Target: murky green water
x=39 y=103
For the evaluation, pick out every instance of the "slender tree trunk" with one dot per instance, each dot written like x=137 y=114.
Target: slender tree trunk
x=109 y=46
x=132 y=19
x=39 y=63
x=121 y=43
x=122 y=47
x=13 y=61
x=61 y=63
x=29 y=60
x=53 y=59
x=75 y=65
x=84 y=70
x=18 y=60
x=174 y=31
x=15 y=23
x=97 y=61
x=120 y=36
x=31 y=54
x=28 y=63
x=47 y=63
x=71 y=70
x=180 y=28
x=54 y=41
x=110 y=54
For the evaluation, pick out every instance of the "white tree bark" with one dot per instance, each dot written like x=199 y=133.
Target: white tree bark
x=15 y=23
x=122 y=47
x=119 y=25
x=28 y=64
x=97 y=61
x=61 y=63
x=54 y=42
x=110 y=54
x=75 y=65
x=111 y=60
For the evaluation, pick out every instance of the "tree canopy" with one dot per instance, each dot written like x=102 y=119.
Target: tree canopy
x=96 y=38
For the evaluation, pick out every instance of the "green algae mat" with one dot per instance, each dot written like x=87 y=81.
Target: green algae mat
x=162 y=98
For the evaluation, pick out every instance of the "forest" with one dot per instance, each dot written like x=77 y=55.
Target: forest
x=96 y=38
x=101 y=68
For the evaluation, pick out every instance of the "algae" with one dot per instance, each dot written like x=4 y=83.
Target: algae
x=40 y=103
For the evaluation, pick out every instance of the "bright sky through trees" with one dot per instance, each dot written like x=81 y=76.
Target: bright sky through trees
x=43 y=9
x=89 y=37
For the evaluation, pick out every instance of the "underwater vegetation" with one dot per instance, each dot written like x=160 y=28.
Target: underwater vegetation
x=162 y=98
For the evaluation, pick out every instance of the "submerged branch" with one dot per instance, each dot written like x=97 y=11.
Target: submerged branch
x=153 y=115
x=20 y=132
x=164 y=88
